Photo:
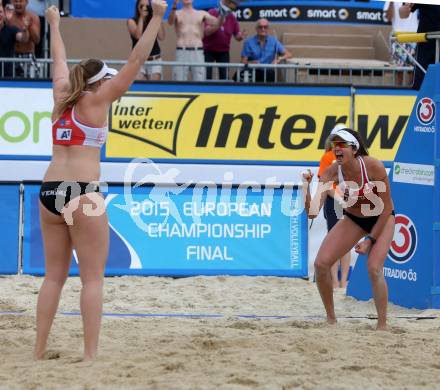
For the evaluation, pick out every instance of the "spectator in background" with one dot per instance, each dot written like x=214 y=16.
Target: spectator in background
x=401 y=53
x=189 y=25
x=136 y=26
x=9 y=35
x=38 y=7
x=26 y=20
x=263 y=48
x=216 y=42
x=429 y=20
x=333 y=210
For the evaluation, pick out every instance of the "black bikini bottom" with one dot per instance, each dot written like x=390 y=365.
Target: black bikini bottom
x=54 y=195
x=365 y=223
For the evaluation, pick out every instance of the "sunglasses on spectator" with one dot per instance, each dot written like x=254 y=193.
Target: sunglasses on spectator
x=262 y=27
x=340 y=144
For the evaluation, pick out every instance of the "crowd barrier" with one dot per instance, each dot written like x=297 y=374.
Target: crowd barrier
x=291 y=72
x=10 y=210
x=175 y=230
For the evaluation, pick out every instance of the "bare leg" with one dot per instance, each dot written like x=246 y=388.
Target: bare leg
x=90 y=237
x=345 y=268
x=334 y=272
x=376 y=260
x=58 y=254
x=325 y=287
x=339 y=240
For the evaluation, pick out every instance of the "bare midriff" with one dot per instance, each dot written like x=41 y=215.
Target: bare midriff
x=74 y=163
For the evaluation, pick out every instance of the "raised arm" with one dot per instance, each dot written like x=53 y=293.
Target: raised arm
x=161 y=33
x=405 y=10
x=389 y=11
x=135 y=28
x=60 y=76
x=209 y=29
x=118 y=85
x=313 y=206
x=34 y=29
x=212 y=23
x=172 y=14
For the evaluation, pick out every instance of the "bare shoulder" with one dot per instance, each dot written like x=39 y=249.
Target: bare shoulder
x=33 y=16
x=375 y=168
x=330 y=173
x=204 y=14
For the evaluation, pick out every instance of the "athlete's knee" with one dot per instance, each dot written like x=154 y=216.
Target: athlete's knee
x=322 y=264
x=94 y=279
x=375 y=272
x=57 y=281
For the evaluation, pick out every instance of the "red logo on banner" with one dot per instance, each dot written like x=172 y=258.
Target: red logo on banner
x=404 y=242
x=425 y=110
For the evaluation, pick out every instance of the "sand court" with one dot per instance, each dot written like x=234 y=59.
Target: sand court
x=217 y=332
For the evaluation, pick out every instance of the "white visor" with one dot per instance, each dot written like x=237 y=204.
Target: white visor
x=104 y=73
x=339 y=126
x=346 y=136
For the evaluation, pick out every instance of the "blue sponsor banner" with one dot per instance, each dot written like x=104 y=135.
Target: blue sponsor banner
x=180 y=230
x=411 y=268
x=10 y=212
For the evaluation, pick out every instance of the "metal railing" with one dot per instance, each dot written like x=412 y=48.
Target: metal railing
x=419 y=38
x=287 y=73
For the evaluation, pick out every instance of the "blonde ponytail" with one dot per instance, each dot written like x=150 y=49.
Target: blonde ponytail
x=78 y=77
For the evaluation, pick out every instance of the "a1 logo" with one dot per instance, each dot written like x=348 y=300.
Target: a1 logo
x=64 y=134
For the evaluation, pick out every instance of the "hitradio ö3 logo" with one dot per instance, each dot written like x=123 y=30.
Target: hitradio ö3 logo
x=425 y=110
x=404 y=243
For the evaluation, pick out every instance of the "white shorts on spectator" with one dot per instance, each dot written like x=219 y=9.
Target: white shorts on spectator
x=187 y=55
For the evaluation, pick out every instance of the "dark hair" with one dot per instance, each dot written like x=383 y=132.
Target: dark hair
x=362 y=151
x=137 y=14
x=78 y=76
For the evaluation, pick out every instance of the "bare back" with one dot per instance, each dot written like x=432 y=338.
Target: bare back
x=78 y=162
x=189 y=27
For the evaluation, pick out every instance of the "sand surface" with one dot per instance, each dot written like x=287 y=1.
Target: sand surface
x=222 y=348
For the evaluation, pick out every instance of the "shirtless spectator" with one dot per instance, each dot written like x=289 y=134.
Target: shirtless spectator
x=9 y=35
x=189 y=25
x=26 y=21
x=38 y=7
